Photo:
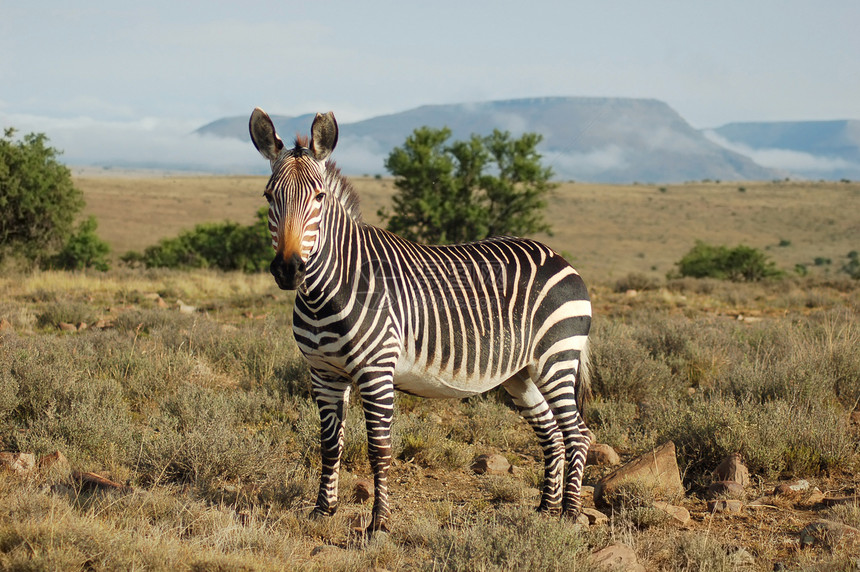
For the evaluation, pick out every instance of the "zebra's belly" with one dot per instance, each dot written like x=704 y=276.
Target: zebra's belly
x=410 y=378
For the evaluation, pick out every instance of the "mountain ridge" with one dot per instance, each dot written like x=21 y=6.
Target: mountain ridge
x=599 y=139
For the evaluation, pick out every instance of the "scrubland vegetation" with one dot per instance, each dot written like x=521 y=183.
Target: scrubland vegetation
x=187 y=388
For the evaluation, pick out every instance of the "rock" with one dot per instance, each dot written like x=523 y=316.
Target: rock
x=658 y=468
x=829 y=533
x=5 y=325
x=815 y=496
x=631 y=293
x=67 y=327
x=724 y=505
x=792 y=489
x=595 y=517
x=491 y=464
x=616 y=558
x=19 y=463
x=732 y=468
x=185 y=308
x=95 y=481
x=678 y=514
x=55 y=460
x=81 y=326
x=362 y=490
x=740 y=557
x=160 y=302
x=725 y=490
x=326 y=551
x=854 y=418
x=602 y=455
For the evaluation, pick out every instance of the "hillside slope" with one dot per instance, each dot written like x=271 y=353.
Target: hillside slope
x=613 y=140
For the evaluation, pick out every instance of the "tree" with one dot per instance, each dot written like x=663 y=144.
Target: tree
x=38 y=201
x=467 y=190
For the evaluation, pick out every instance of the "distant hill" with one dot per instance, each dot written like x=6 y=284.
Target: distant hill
x=815 y=149
x=615 y=140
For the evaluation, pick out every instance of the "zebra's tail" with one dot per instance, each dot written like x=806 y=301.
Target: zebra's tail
x=583 y=380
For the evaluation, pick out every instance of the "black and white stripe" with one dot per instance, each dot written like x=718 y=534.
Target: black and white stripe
x=383 y=313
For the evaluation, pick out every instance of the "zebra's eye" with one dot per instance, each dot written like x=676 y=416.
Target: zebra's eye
x=319 y=197
x=268 y=197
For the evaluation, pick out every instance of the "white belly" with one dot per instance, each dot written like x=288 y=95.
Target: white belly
x=410 y=378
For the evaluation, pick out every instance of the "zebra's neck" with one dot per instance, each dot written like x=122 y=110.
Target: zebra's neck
x=334 y=267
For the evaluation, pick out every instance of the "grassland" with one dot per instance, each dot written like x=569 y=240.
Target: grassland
x=188 y=388
x=607 y=231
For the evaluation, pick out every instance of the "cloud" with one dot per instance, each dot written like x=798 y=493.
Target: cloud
x=589 y=163
x=785 y=159
x=360 y=156
x=147 y=143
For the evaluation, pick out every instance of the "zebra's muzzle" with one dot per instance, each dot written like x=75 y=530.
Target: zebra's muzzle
x=288 y=274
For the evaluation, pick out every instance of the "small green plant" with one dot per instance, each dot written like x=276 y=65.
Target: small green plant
x=741 y=263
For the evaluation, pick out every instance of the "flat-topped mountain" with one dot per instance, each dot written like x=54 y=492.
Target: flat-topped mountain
x=584 y=138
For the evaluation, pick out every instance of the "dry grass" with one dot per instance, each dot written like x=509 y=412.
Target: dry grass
x=608 y=231
x=207 y=415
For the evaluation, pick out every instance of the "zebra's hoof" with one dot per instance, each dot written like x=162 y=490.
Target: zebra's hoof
x=549 y=510
x=319 y=513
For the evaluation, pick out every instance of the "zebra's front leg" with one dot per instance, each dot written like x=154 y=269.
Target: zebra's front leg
x=377 y=399
x=331 y=397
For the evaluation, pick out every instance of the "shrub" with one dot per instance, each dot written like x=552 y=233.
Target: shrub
x=635 y=281
x=84 y=249
x=852 y=265
x=741 y=263
x=225 y=246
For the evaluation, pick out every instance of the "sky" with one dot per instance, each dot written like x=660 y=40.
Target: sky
x=110 y=79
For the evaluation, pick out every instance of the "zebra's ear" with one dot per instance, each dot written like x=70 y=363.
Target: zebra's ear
x=323 y=135
x=263 y=135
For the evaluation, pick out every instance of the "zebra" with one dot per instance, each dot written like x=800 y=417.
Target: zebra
x=377 y=312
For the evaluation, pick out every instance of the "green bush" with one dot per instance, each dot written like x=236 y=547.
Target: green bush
x=741 y=263
x=84 y=249
x=225 y=246
x=852 y=265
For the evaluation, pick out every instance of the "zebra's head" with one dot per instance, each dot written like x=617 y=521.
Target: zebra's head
x=296 y=192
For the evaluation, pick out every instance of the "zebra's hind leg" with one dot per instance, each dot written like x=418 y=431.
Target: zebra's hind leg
x=561 y=397
x=331 y=396
x=535 y=409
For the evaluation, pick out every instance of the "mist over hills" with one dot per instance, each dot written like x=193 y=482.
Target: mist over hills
x=614 y=140
x=812 y=149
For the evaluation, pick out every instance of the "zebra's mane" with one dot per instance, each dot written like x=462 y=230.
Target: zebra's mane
x=338 y=185
x=341 y=188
